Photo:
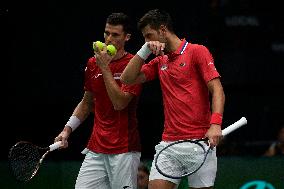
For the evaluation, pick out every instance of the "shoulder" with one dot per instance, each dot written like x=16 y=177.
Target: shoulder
x=198 y=51
x=128 y=56
x=125 y=59
x=91 y=63
x=91 y=60
x=198 y=47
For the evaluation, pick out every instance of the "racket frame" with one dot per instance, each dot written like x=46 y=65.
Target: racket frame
x=36 y=167
x=194 y=141
x=241 y=122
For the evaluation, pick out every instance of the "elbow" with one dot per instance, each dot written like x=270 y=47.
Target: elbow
x=125 y=80
x=118 y=107
x=119 y=104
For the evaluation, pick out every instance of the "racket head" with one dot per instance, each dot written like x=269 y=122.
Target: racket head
x=24 y=159
x=181 y=158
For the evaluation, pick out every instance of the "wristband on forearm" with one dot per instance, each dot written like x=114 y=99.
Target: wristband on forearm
x=73 y=122
x=144 y=52
x=216 y=118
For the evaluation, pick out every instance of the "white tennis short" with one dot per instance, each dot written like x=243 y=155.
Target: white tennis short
x=107 y=171
x=204 y=177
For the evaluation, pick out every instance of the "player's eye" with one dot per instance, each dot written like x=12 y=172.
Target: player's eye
x=106 y=34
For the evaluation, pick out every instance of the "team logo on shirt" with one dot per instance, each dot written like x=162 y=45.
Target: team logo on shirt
x=116 y=75
x=164 y=67
x=182 y=64
x=212 y=64
x=98 y=75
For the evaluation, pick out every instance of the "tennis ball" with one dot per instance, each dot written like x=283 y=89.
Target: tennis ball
x=98 y=45
x=111 y=50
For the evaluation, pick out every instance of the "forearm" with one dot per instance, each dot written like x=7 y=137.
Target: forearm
x=81 y=112
x=218 y=101
x=132 y=70
x=115 y=94
x=79 y=115
x=132 y=73
x=218 y=96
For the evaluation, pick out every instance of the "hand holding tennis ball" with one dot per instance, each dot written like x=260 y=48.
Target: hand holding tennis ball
x=98 y=45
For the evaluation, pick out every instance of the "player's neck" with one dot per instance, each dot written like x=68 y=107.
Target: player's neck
x=121 y=53
x=173 y=43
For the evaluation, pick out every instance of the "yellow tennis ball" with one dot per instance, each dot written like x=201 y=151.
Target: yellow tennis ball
x=98 y=45
x=111 y=50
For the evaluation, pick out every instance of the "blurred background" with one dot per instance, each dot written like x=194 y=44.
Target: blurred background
x=45 y=46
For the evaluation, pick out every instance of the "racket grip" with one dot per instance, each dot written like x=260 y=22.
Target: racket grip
x=234 y=126
x=55 y=146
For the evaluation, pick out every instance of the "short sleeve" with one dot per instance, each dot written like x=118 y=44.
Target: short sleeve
x=151 y=69
x=204 y=61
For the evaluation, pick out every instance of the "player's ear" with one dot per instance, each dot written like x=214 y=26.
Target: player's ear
x=127 y=37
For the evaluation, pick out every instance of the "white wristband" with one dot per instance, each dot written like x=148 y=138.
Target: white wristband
x=144 y=52
x=73 y=122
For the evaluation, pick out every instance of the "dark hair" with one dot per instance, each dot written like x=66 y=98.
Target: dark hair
x=144 y=168
x=155 y=18
x=120 y=19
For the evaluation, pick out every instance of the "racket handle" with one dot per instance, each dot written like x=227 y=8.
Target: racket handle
x=243 y=121
x=55 y=145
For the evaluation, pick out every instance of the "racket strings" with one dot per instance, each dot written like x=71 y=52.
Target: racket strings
x=24 y=161
x=179 y=160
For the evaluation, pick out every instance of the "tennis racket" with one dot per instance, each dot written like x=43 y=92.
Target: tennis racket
x=25 y=159
x=175 y=161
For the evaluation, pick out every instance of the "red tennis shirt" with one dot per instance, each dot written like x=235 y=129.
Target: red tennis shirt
x=113 y=131
x=183 y=76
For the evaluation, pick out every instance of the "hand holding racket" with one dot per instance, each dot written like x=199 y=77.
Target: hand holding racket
x=177 y=161
x=25 y=158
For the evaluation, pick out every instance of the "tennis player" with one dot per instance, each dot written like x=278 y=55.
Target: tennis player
x=113 y=151
x=188 y=79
